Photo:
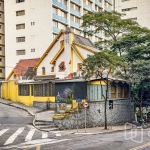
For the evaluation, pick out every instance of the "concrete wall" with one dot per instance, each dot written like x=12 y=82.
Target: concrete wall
x=142 y=12
x=122 y=112
x=37 y=36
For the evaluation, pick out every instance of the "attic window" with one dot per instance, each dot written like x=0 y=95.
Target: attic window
x=43 y=70
x=62 y=66
x=14 y=76
x=79 y=66
x=61 y=43
x=52 y=69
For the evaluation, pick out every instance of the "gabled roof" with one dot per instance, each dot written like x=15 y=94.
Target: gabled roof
x=83 y=41
x=48 y=49
x=22 y=66
x=78 y=40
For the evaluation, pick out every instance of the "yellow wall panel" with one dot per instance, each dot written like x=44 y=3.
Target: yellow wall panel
x=5 y=90
x=97 y=82
x=44 y=99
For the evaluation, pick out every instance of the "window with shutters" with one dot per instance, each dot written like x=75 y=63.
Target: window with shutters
x=119 y=91
x=24 y=90
x=113 y=91
x=126 y=92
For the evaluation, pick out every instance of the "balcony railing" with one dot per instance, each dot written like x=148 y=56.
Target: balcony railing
x=56 y=30
x=77 y=13
x=74 y=24
x=62 y=19
x=107 y=8
x=110 y=1
x=76 y=1
x=98 y=3
x=87 y=7
x=59 y=4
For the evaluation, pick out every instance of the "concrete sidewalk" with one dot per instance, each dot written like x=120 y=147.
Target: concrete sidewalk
x=31 y=110
x=45 y=114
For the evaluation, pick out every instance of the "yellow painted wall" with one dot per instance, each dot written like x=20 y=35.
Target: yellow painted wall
x=13 y=91
x=26 y=100
x=97 y=82
x=5 y=90
x=44 y=99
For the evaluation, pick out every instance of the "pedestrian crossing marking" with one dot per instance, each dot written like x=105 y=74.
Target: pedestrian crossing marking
x=13 y=136
x=29 y=135
x=3 y=131
x=44 y=135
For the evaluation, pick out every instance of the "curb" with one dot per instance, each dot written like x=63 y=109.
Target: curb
x=9 y=104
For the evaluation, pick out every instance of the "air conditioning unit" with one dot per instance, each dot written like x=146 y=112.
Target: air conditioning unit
x=76 y=74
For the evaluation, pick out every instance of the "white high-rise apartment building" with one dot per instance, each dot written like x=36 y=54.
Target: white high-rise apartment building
x=31 y=25
x=137 y=10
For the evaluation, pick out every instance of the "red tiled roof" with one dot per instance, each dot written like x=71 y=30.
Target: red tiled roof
x=22 y=66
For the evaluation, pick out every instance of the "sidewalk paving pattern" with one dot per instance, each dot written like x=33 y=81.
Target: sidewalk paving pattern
x=47 y=116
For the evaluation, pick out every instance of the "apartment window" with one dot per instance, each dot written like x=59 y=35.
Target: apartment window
x=0 y=59
x=59 y=12
x=20 y=13
x=20 y=1
x=62 y=66
x=55 y=24
x=54 y=36
x=0 y=4
x=129 y=9
x=62 y=1
x=0 y=48
x=133 y=18
x=75 y=7
x=87 y=2
x=20 y=26
x=0 y=15
x=0 y=37
x=75 y=19
x=97 y=8
x=108 y=5
x=1 y=71
x=84 y=11
x=33 y=50
x=20 y=39
x=20 y=52
x=0 y=26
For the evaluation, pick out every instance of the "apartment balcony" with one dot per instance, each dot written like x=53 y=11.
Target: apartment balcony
x=110 y=1
x=76 y=1
x=74 y=24
x=56 y=30
x=60 y=18
x=59 y=4
x=87 y=7
x=98 y=3
x=77 y=13
x=107 y=9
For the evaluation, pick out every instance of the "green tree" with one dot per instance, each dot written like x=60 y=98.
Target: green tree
x=135 y=49
x=108 y=23
x=101 y=65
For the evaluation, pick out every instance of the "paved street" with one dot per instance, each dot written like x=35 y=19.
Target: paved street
x=17 y=133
